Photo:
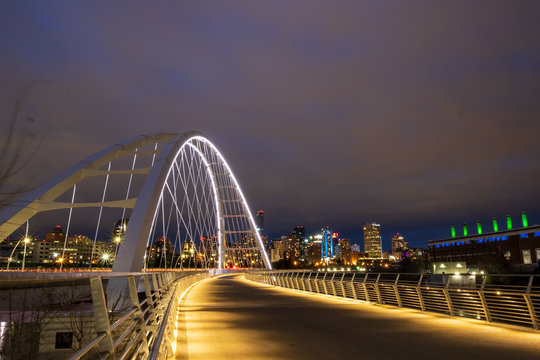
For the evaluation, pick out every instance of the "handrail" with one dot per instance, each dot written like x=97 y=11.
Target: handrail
x=161 y=334
x=138 y=329
x=463 y=295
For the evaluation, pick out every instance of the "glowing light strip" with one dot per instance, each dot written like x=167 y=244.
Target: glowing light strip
x=217 y=202
x=99 y=216
x=67 y=229
x=244 y=203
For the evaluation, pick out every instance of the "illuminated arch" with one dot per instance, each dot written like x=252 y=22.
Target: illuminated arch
x=231 y=218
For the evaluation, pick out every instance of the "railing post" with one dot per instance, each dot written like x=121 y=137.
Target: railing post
x=483 y=300
x=303 y=281
x=366 y=295
x=530 y=305
x=316 y=281
x=101 y=316
x=355 y=297
x=137 y=315
x=342 y=287
x=309 y=282
x=447 y=296
x=324 y=283
x=398 y=299
x=150 y=302
x=333 y=285
x=419 y=293
x=377 y=291
x=296 y=281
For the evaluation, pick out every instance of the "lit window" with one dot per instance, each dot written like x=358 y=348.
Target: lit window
x=507 y=255
x=526 y=256
x=537 y=250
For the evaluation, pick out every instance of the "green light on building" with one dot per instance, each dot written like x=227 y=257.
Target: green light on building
x=495 y=226
x=508 y=222
x=524 y=219
x=479 y=227
x=465 y=232
x=453 y=232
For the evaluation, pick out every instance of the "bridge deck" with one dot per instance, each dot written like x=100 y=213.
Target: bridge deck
x=233 y=318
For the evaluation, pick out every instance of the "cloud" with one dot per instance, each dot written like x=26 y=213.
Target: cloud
x=414 y=116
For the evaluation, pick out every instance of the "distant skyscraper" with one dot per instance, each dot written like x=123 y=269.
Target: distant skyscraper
x=299 y=234
x=372 y=240
x=260 y=221
x=398 y=245
x=327 y=245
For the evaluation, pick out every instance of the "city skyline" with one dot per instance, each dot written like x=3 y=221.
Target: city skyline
x=328 y=118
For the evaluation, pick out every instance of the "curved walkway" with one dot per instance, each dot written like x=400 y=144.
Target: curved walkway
x=232 y=318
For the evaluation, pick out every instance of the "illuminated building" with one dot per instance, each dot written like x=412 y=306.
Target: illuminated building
x=14 y=250
x=345 y=251
x=399 y=245
x=79 y=249
x=299 y=234
x=276 y=251
x=511 y=249
x=292 y=248
x=313 y=252
x=162 y=249
x=372 y=240
x=327 y=246
x=209 y=250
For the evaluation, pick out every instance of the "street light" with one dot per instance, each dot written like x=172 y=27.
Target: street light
x=117 y=240
x=26 y=240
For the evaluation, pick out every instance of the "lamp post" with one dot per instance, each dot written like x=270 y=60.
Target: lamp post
x=117 y=241
x=26 y=241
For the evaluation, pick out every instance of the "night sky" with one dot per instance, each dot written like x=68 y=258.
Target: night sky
x=417 y=115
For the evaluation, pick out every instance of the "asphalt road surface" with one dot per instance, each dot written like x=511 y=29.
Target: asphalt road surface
x=232 y=318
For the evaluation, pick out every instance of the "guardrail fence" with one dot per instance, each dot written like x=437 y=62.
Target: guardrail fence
x=509 y=299
x=86 y=318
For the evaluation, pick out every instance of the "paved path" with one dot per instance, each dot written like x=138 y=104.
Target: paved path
x=233 y=318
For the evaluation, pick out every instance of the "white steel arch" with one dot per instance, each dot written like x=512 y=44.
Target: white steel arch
x=230 y=223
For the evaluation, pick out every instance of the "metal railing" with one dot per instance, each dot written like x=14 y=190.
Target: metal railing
x=508 y=299
x=150 y=333
x=127 y=316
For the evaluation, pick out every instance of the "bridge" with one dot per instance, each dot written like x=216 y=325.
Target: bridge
x=190 y=277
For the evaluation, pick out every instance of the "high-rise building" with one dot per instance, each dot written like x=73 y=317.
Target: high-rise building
x=298 y=235
x=313 y=253
x=398 y=246
x=345 y=251
x=259 y=220
x=327 y=245
x=276 y=250
x=372 y=240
